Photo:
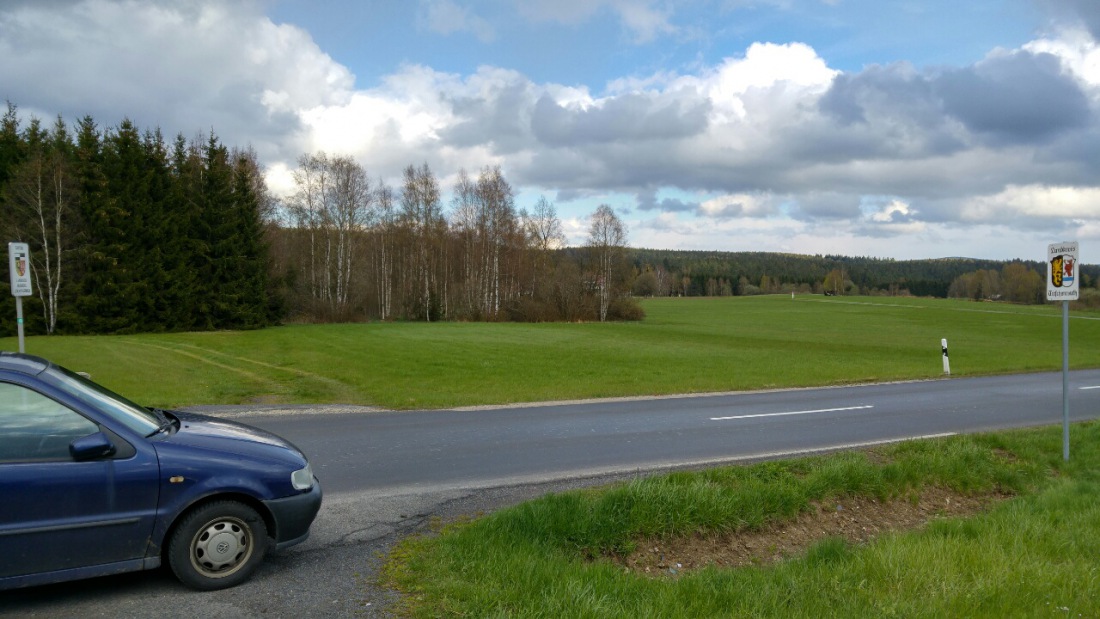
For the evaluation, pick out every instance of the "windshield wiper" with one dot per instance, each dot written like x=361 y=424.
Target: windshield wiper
x=165 y=423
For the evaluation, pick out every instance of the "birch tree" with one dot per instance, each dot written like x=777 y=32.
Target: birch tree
x=307 y=210
x=606 y=242
x=544 y=235
x=43 y=194
x=331 y=204
x=499 y=225
x=349 y=203
x=385 y=248
x=422 y=217
x=465 y=224
x=543 y=227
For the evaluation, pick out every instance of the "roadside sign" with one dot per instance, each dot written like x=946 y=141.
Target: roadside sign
x=19 y=255
x=1062 y=281
x=19 y=266
x=1063 y=285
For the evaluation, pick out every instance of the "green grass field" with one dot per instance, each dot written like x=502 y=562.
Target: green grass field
x=683 y=346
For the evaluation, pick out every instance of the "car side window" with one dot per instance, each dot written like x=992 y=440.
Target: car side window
x=34 y=427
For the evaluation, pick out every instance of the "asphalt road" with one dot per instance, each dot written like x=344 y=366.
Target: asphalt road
x=413 y=452
x=387 y=474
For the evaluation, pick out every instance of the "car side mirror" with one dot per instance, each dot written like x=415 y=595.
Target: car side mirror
x=91 y=447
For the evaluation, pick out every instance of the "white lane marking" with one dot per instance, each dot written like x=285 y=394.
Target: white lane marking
x=1087 y=388
x=823 y=410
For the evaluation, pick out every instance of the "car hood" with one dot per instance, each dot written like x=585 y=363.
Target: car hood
x=202 y=432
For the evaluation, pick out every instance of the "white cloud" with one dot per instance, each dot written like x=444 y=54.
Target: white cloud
x=1087 y=230
x=280 y=178
x=182 y=66
x=575 y=230
x=645 y=21
x=893 y=211
x=1039 y=201
x=446 y=17
x=765 y=65
x=739 y=205
x=1079 y=53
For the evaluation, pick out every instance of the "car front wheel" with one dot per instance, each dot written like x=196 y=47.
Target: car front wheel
x=218 y=546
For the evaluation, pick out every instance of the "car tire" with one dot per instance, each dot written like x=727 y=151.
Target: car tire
x=217 y=546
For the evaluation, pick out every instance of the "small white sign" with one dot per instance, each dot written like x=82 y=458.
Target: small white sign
x=1063 y=283
x=19 y=265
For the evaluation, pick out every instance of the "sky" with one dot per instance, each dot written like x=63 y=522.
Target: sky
x=901 y=129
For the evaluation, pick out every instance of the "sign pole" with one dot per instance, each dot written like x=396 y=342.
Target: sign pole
x=19 y=321
x=1065 y=381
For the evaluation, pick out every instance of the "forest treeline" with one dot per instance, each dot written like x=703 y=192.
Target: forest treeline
x=131 y=232
x=700 y=273
x=349 y=248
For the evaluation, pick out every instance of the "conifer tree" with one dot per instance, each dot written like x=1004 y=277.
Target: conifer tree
x=213 y=261
x=11 y=145
x=151 y=241
x=112 y=290
x=188 y=235
x=91 y=191
x=250 y=252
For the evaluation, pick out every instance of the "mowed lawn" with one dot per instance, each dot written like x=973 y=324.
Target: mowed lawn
x=683 y=346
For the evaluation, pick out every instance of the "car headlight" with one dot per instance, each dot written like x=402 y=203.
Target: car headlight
x=302 y=479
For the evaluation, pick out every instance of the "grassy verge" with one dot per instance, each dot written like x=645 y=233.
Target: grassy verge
x=683 y=346
x=1032 y=555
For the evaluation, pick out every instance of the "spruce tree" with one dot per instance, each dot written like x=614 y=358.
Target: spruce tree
x=151 y=242
x=112 y=290
x=251 y=251
x=12 y=149
x=217 y=224
x=92 y=193
x=188 y=244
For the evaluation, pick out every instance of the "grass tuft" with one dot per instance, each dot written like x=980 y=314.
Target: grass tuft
x=828 y=552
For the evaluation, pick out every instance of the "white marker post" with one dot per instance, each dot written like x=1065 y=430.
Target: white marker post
x=1063 y=285
x=946 y=362
x=19 y=258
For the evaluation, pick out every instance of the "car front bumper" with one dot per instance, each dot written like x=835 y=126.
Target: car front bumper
x=293 y=516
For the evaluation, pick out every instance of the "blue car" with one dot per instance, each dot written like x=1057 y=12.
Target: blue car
x=92 y=484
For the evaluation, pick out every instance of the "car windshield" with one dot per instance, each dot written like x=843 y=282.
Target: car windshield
x=137 y=418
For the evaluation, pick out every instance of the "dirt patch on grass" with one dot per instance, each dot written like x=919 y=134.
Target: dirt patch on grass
x=855 y=519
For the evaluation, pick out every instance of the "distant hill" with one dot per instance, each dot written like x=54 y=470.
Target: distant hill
x=697 y=273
